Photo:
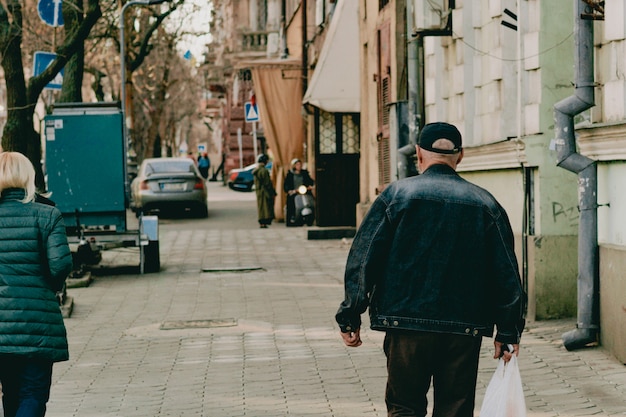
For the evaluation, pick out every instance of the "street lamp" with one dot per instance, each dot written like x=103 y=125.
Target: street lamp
x=123 y=80
x=123 y=50
x=123 y=99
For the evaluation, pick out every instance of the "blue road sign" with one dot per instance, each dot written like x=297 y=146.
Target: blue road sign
x=50 y=12
x=251 y=112
x=41 y=61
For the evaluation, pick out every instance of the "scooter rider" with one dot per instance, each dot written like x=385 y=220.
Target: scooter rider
x=295 y=178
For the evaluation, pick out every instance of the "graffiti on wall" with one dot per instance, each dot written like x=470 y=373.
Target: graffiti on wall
x=561 y=213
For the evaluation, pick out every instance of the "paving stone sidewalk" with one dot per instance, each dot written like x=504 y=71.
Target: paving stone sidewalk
x=255 y=337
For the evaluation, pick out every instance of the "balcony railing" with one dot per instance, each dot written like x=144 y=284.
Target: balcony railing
x=254 y=41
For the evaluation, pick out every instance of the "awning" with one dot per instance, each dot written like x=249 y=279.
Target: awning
x=335 y=85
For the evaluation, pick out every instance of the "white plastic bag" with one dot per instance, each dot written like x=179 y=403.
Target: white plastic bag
x=505 y=395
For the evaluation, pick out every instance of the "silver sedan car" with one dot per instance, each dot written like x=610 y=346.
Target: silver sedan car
x=165 y=184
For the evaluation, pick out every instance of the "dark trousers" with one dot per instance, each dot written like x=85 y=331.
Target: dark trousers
x=291 y=210
x=25 y=386
x=414 y=359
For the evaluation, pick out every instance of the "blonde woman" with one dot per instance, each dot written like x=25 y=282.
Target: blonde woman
x=35 y=259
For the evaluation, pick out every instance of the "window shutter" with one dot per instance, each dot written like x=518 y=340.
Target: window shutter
x=384 y=161
x=384 y=98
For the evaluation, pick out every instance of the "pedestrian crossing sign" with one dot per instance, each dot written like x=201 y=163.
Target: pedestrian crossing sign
x=42 y=60
x=251 y=112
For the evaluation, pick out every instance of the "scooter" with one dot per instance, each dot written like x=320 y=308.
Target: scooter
x=305 y=206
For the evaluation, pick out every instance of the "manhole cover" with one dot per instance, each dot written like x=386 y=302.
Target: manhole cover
x=198 y=324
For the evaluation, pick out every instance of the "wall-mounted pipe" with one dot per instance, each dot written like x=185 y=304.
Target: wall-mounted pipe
x=415 y=51
x=412 y=51
x=284 y=53
x=305 y=46
x=587 y=326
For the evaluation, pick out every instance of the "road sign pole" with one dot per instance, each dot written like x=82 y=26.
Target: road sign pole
x=240 y=144
x=125 y=114
x=254 y=144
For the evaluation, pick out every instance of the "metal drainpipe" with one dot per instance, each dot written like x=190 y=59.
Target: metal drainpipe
x=587 y=326
x=412 y=72
x=305 y=48
x=415 y=94
x=283 y=29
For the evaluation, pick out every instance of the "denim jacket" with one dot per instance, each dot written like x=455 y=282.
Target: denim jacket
x=435 y=253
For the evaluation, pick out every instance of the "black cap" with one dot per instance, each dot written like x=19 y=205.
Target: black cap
x=440 y=130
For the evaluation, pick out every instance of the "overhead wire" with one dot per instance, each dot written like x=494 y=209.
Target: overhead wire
x=485 y=53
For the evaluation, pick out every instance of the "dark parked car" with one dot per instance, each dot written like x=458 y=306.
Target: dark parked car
x=169 y=183
x=242 y=179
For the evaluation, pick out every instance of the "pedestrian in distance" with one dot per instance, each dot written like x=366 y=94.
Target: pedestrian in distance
x=265 y=192
x=294 y=179
x=204 y=163
x=433 y=260
x=35 y=260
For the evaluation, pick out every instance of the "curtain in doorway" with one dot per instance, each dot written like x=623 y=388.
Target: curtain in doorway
x=278 y=90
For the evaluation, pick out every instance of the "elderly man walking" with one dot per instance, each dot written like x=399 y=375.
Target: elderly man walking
x=433 y=260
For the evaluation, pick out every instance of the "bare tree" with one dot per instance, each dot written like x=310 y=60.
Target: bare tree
x=167 y=90
x=89 y=44
x=142 y=36
x=19 y=133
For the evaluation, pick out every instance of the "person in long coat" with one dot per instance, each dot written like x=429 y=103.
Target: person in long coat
x=265 y=192
x=35 y=260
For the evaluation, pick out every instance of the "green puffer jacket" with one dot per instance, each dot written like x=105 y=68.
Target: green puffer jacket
x=35 y=260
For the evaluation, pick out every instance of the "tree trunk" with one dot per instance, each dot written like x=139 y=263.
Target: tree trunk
x=17 y=108
x=156 y=115
x=157 y=149
x=71 y=92
x=18 y=134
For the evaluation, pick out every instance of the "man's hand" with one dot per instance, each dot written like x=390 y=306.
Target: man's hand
x=505 y=354
x=352 y=339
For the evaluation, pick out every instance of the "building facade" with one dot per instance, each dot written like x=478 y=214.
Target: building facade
x=508 y=74
x=242 y=30
x=497 y=70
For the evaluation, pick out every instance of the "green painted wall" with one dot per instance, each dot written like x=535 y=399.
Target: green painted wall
x=555 y=276
x=555 y=244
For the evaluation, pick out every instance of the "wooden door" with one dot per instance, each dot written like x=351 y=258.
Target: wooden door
x=337 y=168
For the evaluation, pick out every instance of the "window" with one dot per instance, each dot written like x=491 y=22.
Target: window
x=338 y=133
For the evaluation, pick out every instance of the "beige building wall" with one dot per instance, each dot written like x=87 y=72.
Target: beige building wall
x=370 y=19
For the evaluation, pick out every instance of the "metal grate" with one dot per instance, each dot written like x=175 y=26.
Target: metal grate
x=350 y=134
x=198 y=324
x=328 y=135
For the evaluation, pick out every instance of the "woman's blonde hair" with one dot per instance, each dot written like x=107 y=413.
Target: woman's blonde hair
x=16 y=171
